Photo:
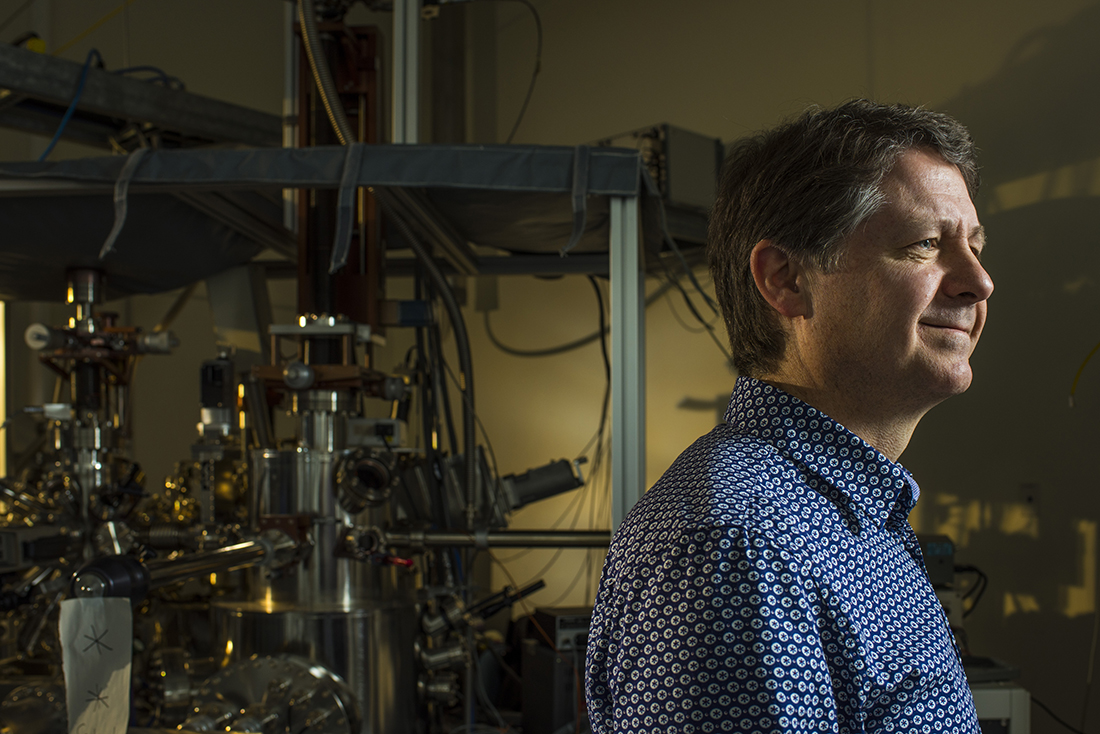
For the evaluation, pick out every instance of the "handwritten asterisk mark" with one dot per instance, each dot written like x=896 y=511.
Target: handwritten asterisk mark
x=97 y=641
x=97 y=697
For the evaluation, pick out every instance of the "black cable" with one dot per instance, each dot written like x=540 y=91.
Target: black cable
x=546 y=352
x=568 y=346
x=534 y=74
x=976 y=590
x=1055 y=716
x=691 y=306
x=443 y=396
x=508 y=669
x=462 y=339
x=498 y=501
x=603 y=331
x=440 y=510
x=11 y=18
x=603 y=327
x=680 y=319
x=690 y=273
x=597 y=437
x=572 y=584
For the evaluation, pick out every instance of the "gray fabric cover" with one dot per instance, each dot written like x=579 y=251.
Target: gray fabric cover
x=56 y=215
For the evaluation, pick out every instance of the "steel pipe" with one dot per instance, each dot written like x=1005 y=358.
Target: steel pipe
x=497 y=539
x=240 y=555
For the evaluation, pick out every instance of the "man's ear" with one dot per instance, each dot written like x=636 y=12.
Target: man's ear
x=780 y=279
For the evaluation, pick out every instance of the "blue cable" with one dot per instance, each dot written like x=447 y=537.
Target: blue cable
x=93 y=54
x=457 y=557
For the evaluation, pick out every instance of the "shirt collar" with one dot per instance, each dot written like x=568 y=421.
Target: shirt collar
x=872 y=484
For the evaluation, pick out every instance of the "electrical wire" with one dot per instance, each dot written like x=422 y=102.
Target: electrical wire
x=497 y=499
x=458 y=324
x=1077 y=377
x=11 y=18
x=545 y=352
x=571 y=345
x=559 y=551
x=1055 y=716
x=534 y=74
x=435 y=356
x=523 y=603
x=976 y=590
x=689 y=272
x=680 y=319
x=538 y=62
x=709 y=327
x=482 y=694
x=1091 y=668
x=1092 y=659
x=93 y=54
x=590 y=489
x=572 y=584
x=87 y=31
x=576 y=505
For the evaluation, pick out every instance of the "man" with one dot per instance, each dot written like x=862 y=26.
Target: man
x=770 y=581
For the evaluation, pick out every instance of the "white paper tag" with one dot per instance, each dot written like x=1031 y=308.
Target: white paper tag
x=97 y=648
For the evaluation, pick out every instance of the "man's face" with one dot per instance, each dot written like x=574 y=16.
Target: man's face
x=897 y=322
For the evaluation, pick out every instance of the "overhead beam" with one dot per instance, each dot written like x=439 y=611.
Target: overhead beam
x=44 y=86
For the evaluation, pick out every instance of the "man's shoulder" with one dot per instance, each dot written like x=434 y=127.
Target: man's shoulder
x=725 y=478
x=724 y=459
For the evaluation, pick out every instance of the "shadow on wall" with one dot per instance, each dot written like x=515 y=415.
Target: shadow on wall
x=1008 y=470
x=1039 y=111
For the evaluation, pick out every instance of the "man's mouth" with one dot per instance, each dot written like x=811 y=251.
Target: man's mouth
x=949 y=326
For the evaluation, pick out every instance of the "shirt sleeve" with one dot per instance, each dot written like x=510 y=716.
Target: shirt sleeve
x=717 y=632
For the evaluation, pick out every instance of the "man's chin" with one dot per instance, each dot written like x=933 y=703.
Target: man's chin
x=952 y=381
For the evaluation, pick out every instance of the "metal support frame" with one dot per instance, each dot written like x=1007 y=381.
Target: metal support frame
x=406 y=71
x=1006 y=704
x=627 y=359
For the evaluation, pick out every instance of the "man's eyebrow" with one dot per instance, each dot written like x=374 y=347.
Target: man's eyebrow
x=977 y=236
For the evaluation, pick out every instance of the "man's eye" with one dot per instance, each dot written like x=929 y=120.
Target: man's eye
x=925 y=244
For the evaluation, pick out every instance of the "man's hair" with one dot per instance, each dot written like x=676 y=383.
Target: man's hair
x=806 y=186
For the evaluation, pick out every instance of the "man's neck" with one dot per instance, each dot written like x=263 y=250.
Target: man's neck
x=888 y=430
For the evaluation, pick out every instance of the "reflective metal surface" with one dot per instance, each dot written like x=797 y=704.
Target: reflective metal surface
x=357 y=618
x=299 y=482
x=257 y=694
x=370 y=648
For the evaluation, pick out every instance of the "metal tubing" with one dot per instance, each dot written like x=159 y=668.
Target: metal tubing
x=462 y=345
x=406 y=71
x=322 y=76
x=627 y=359
x=241 y=555
x=500 y=539
x=259 y=412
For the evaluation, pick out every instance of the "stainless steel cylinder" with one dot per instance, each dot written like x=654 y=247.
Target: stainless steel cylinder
x=85 y=286
x=322 y=417
x=85 y=290
x=370 y=648
x=299 y=482
x=356 y=618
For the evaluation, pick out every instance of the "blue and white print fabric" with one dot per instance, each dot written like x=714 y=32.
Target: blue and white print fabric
x=770 y=582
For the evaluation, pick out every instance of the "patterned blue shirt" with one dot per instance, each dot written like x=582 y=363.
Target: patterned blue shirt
x=770 y=582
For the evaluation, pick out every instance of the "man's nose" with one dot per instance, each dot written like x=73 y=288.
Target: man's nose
x=966 y=278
